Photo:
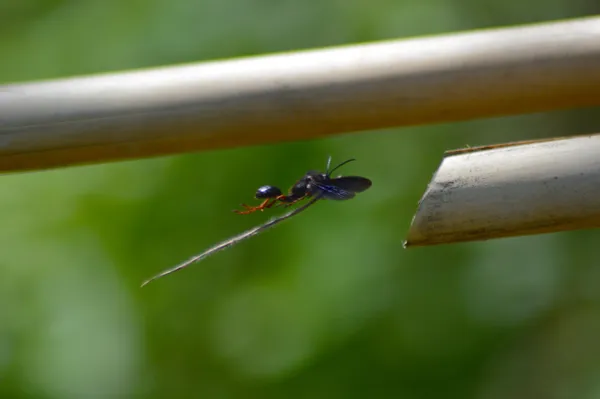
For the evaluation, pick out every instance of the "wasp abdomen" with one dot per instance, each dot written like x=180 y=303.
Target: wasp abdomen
x=267 y=192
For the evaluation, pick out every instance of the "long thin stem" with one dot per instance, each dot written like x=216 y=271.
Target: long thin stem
x=234 y=240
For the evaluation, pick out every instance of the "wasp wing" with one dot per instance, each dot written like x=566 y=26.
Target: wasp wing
x=331 y=192
x=355 y=184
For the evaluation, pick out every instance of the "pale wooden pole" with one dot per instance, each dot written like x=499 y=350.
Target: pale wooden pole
x=511 y=190
x=300 y=95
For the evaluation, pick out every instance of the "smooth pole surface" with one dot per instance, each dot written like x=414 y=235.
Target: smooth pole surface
x=511 y=190
x=300 y=95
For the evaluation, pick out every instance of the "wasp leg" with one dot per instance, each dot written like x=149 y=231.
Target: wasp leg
x=269 y=202
x=286 y=204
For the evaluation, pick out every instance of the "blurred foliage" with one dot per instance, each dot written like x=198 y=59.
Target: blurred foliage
x=328 y=304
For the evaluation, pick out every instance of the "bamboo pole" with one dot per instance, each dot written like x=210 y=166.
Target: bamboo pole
x=300 y=95
x=509 y=190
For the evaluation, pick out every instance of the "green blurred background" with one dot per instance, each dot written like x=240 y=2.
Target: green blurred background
x=328 y=305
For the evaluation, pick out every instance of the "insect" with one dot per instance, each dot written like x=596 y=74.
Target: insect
x=314 y=185
x=339 y=188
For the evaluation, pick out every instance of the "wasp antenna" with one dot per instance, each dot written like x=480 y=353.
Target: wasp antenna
x=328 y=165
x=329 y=172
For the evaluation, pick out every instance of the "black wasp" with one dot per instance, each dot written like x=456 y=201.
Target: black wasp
x=313 y=183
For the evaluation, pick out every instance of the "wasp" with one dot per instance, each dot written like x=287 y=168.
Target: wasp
x=311 y=184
